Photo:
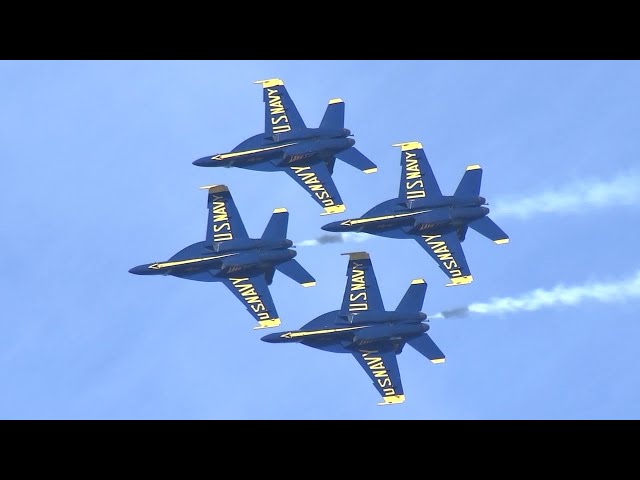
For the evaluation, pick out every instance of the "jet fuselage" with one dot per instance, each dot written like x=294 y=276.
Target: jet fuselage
x=291 y=148
x=392 y=218
x=202 y=263
x=333 y=332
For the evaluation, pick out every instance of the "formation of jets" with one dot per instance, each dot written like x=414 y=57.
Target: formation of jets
x=362 y=326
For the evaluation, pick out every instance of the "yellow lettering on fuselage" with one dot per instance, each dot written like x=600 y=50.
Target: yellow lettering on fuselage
x=310 y=179
x=413 y=177
x=441 y=250
x=426 y=226
x=279 y=119
x=221 y=225
x=377 y=367
x=357 y=285
x=249 y=294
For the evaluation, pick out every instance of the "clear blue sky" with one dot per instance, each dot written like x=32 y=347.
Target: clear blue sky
x=97 y=178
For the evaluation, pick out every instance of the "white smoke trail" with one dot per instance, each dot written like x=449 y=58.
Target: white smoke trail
x=354 y=237
x=338 y=238
x=559 y=295
x=574 y=198
x=307 y=243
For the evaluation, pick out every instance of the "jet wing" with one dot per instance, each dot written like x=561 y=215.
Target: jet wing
x=383 y=370
x=280 y=113
x=417 y=180
x=316 y=180
x=361 y=294
x=254 y=294
x=447 y=251
x=224 y=223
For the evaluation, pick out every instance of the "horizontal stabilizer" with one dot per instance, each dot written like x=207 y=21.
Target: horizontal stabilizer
x=334 y=115
x=296 y=272
x=414 y=298
x=428 y=348
x=469 y=186
x=485 y=226
x=276 y=229
x=356 y=159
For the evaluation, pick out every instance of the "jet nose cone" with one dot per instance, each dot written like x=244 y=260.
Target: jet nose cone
x=202 y=162
x=331 y=227
x=139 y=270
x=271 y=338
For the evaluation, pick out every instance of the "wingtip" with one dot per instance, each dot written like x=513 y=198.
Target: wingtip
x=474 y=167
x=392 y=399
x=417 y=281
x=270 y=82
x=460 y=281
x=215 y=188
x=280 y=210
x=334 y=209
x=309 y=284
x=357 y=255
x=370 y=170
x=335 y=100
x=272 y=322
x=408 y=145
x=437 y=360
x=501 y=241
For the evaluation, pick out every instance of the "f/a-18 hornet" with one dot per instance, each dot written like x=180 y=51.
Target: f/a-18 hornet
x=306 y=154
x=373 y=335
x=437 y=222
x=246 y=266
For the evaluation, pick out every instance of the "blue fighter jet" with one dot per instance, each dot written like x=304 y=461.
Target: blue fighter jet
x=306 y=154
x=437 y=222
x=246 y=266
x=373 y=335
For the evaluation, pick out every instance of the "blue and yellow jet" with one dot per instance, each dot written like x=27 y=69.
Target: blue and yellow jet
x=437 y=222
x=246 y=266
x=306 y=154
x=373 y=335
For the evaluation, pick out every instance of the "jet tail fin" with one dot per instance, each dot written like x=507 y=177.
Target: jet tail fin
x=296 y=272
x=428 y=348
x=334 y=119
x=469 y=186
x=333 y=115
x=277 y=227
x=485 y=226
x=414 y=298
